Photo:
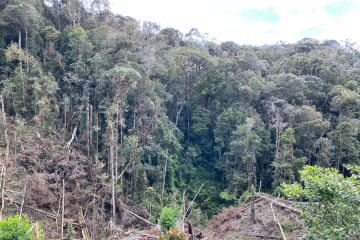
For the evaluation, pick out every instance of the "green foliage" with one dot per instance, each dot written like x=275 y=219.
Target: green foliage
x=226 y=196
x=332 y=206
x=201 y=121
x=245 y=197
x=124 y=72
x=344 y=101
x=287 y=165
x=344 y=137
x=226 y=123
x=194 y=53
x=291 y=226
x=168 y=218
x=151 y=201
x=77 y=48
x=50 y=34
x=17 y=228
x=21 y=16
x=225 y=115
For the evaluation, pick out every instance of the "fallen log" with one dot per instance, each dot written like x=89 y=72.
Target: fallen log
x=123 y=206
x=279 y=204
x=262 y=236
x=137 y=216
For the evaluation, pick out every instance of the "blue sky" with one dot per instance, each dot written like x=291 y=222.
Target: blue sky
x=251 y=21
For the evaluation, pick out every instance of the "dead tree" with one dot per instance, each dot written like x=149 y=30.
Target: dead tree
x=62 y=209
x=112 y=169
x=6 y=157
x=190 y=232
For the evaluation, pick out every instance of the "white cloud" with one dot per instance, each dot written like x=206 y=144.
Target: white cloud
x=223 y=20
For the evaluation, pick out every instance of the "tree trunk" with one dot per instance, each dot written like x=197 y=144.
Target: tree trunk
x=88 y=127
x=21 y=72
x=164 y=178
x=35 y=230
x=134 y=120
x=65 y=120
x=19 y=35
x=63 y=209
x=178 y=113
x=253 y=215
x=23 y=200
x=188 y=125
x=97 y=136
x=251 y=188
x=278 y=129
x=27 y=52
x=112 y=172
x=116 y=143
x=122 y=164
x=339 y=152
x=6 y=157
x=91 y=126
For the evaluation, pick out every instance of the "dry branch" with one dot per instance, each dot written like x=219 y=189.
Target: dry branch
x=192 y=202
x=132 y=159
x=123 y=206
x=137 y=216
x=23 y=200
x=72 y=137
x=82 y=221
x=47 y=214
x=278 y=223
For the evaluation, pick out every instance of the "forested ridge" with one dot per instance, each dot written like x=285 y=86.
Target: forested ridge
x=111 y=114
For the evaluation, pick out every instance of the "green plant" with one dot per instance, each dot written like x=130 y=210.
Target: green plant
x=332 y=205
x=173 y=234
x=17 y=228
x=227 y=196
x=245 y=197
x=168 y=218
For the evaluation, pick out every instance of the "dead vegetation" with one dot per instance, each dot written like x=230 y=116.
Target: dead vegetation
x=235 y=222
x=58 y=186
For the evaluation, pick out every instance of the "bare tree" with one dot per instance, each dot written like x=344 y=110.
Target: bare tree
x=6 y=157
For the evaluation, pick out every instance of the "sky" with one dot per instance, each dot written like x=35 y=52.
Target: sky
x=255 y=22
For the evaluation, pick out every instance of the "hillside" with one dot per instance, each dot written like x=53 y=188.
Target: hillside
x=103 y=117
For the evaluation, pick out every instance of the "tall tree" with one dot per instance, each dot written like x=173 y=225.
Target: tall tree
x=190 y=65
x=287 y=164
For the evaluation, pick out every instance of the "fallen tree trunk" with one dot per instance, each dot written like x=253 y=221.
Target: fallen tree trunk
x=277 y=203
x=123 y=206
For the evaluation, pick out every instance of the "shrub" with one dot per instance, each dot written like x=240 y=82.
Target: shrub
x=168 y=218
x=332 y=207
x=17 y=228
x=173 y=234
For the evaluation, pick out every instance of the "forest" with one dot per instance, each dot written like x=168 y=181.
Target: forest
x=103 y=115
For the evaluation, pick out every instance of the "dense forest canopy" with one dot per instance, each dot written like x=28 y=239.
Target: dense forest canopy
x=131 y=114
